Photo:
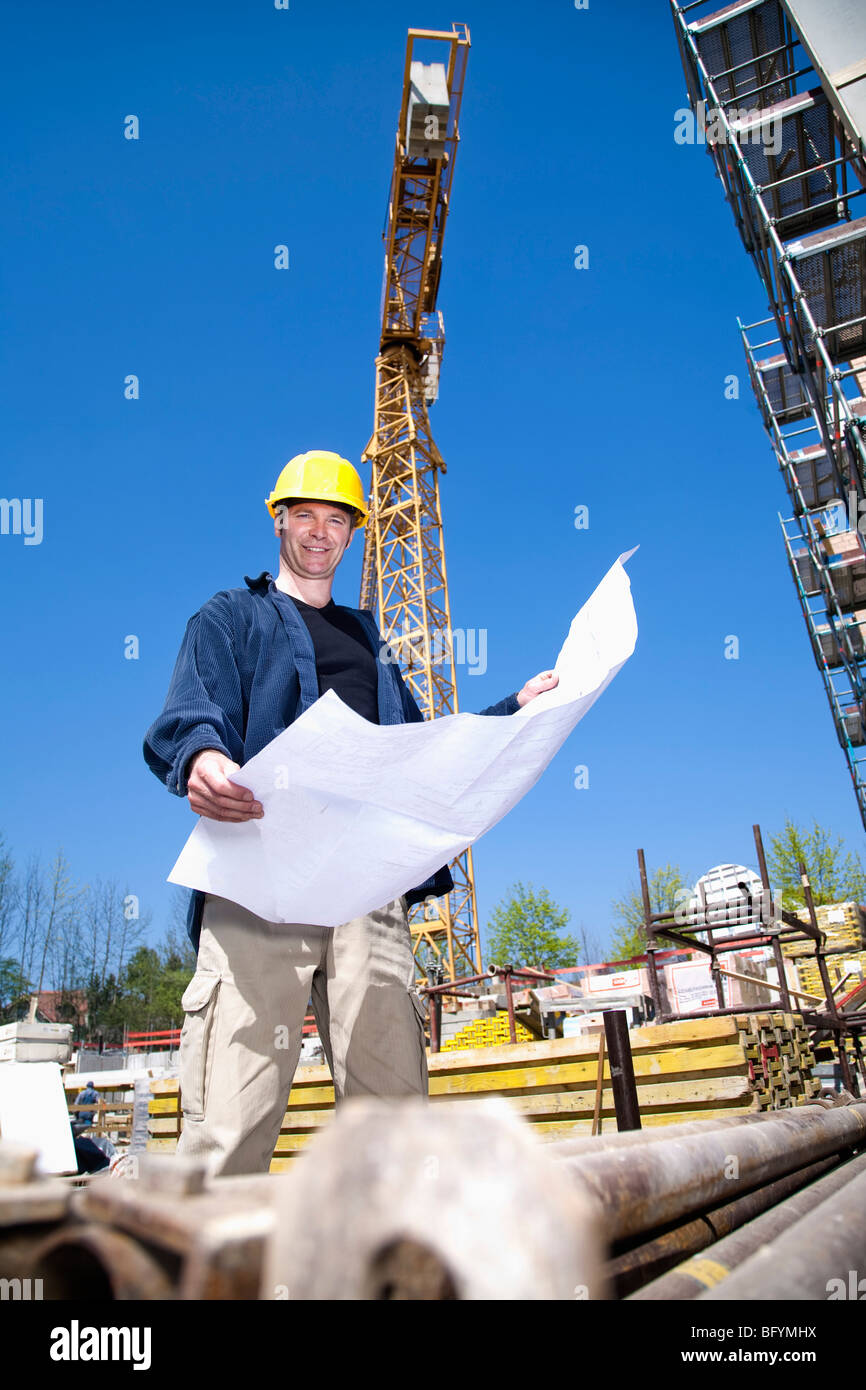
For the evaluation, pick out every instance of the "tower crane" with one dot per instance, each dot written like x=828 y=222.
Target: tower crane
x=403 y=574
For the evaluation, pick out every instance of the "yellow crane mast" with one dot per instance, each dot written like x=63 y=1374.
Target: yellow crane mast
x=403 y=576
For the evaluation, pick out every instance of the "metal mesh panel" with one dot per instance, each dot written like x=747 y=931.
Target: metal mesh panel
x=807 y=572
x=736 y=40
x=804 y=141
x=834 y=281
x=853 y=721
x=786 y=392
x=814 y=476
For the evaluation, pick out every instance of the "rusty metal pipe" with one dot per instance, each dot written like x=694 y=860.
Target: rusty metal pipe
x=645 y=1267
x=690 y=1278
x=821 y=1257
x=598 y=1143
x=621 y=1069
x=646 y=1187
x=96 y=1263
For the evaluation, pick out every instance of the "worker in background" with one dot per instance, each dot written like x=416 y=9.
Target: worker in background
x=83 y=1119
x=251 y=661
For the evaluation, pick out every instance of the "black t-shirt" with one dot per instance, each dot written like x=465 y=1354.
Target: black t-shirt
x=344 y=661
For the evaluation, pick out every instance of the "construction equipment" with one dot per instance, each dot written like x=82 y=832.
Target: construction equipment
x=323 y=477
x=778 y=90
x=763 y=924
x=403 y=577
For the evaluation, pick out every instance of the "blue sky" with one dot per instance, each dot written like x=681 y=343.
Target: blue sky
x=602 y=386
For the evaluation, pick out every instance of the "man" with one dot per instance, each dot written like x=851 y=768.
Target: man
x=252 y=660
x=83 y=1119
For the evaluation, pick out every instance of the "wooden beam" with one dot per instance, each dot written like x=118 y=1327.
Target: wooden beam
x=754 y=980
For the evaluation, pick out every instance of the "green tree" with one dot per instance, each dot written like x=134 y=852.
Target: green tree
x=153 y=985
x=138 y=1000
x=629 y=937
x=835 y=875
x=12 y=989
x=10 y=979
x=104 y=1008
x=525 y=930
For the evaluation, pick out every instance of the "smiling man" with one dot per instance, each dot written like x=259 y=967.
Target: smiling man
x=252 y=660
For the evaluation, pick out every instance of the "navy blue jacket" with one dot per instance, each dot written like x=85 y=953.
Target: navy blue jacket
x=246 y=669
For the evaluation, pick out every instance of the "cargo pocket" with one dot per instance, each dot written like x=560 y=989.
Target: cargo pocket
x=199 y=1003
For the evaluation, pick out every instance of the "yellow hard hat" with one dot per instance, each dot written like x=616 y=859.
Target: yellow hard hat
x=320 y=476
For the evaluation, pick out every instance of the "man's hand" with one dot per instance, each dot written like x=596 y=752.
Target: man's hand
x=545 y=680
x=211 y=793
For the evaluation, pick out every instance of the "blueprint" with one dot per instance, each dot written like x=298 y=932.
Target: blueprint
x=355 y=814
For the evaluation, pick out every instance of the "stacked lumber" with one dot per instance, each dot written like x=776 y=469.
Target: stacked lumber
x=780 y=1057
x=827 y=1050
x=843 y=924
x=486 y=1032
x=164 y=1117
x=693 y=1068
x=844 y=928
x=311 y=1105
x=837 y=968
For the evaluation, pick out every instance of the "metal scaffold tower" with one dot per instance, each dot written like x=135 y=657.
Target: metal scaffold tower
x=403 y=575
x=782 y=108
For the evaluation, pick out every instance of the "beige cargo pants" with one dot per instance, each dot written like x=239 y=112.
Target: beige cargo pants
x=245 y=1008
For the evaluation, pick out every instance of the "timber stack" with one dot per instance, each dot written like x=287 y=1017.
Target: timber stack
x=694 y=1068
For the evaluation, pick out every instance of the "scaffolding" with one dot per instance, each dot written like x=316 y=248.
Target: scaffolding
x=783 y=118
x=756 y=921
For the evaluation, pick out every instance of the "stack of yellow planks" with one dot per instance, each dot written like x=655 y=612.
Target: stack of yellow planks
x=844 y=926
x=853 y=965
x=693 y=1068
x=487 y=1032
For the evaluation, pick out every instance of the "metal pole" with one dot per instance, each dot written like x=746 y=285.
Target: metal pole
x=621 y=1069
x=651 y=947
x=645 y=1266
x=762 y=862
x=434 y=1007
x=690 y=1278
x=818 y=1257
x=645 y=894
x=783 y=980
x=665 y=1182
x=659 y=1134
x=840 y=1031
x=652 y=976
x=509 y=1004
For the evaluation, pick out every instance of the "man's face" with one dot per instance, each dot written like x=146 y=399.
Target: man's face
x=313 y=537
